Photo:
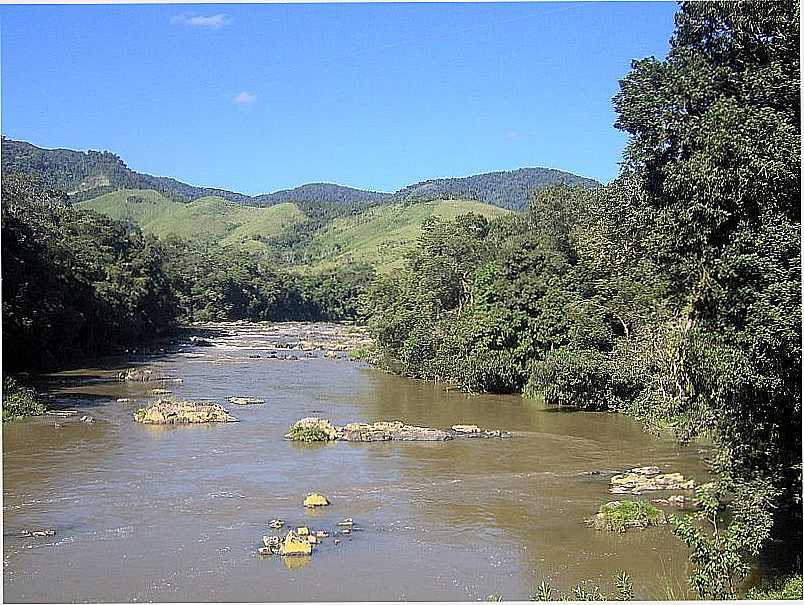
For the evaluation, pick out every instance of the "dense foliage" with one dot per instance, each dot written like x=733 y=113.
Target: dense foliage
x=480 y=300
x=74 y=281
x=19 y=401
x=673 y=294
x=790 y=588
x=214 y=284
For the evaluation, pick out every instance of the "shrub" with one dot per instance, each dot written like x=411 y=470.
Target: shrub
x=778 y=589
x=625 y=514
x=311 y=430
x=585 y=379
x=19 y=401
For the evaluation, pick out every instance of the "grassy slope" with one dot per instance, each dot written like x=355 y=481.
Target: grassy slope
x=381 y=235
x=205 y=218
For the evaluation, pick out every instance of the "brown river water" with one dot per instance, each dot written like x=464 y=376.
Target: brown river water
x=152 y=513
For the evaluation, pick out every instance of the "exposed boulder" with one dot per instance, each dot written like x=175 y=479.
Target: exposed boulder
x=295 y=545
x=318 y=429
x=313 y=500
x=38 y=533
x=644 y=479
x=182 y=412
x=245 y=400
x=468 y=429
x=142 y=375
x=677 y=500
x=391 y=431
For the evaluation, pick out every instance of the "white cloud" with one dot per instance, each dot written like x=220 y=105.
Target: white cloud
x=514 y=135
x=244 y=98
x=210 y=22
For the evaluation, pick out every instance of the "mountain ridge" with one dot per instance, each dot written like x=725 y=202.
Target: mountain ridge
x=89 y=174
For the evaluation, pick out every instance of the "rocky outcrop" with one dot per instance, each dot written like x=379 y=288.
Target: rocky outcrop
x=648 y=478
x=142 y=375
x=390 y=431
x=245 y=400
x=182 y=412
x=318 y=429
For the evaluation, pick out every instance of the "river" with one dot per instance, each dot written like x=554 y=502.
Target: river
x=151 y=513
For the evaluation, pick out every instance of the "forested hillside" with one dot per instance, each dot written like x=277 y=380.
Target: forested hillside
x=88 y=174
x=672 y=294
x=510 y=189
x=321 y=193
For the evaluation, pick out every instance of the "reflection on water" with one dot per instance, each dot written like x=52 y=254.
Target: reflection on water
x=294 y=563
x=177 y=513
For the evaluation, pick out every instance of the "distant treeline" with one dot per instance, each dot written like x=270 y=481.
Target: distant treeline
x=76 y=283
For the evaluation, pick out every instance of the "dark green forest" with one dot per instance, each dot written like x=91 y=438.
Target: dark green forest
x=672 y=294
x=88 y=174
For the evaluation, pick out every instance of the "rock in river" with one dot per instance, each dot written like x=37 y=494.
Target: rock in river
x=295 y=545
x=313 y=500
x=183 y=412
x=648 y=478
x=391 y=431
x=142 y=375
x=245 y=400
x=318 y=429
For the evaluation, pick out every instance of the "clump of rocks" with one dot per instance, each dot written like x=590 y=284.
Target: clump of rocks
x=648 y=478
x=301 y=541
x=246 y=400
x=318 y=429
x=165 y=411
x=142 y=375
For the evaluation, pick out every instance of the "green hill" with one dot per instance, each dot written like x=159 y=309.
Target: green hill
x=205 y=219
x=381 y=235
x=378 y=236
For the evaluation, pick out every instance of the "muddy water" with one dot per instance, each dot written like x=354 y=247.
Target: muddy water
x=146 y=513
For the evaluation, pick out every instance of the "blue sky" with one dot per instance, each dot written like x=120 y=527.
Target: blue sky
x=256 y=98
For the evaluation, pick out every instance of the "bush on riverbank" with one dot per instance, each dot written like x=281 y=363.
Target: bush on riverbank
x=19 y=401
x=778 y=589
x=624 y=514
